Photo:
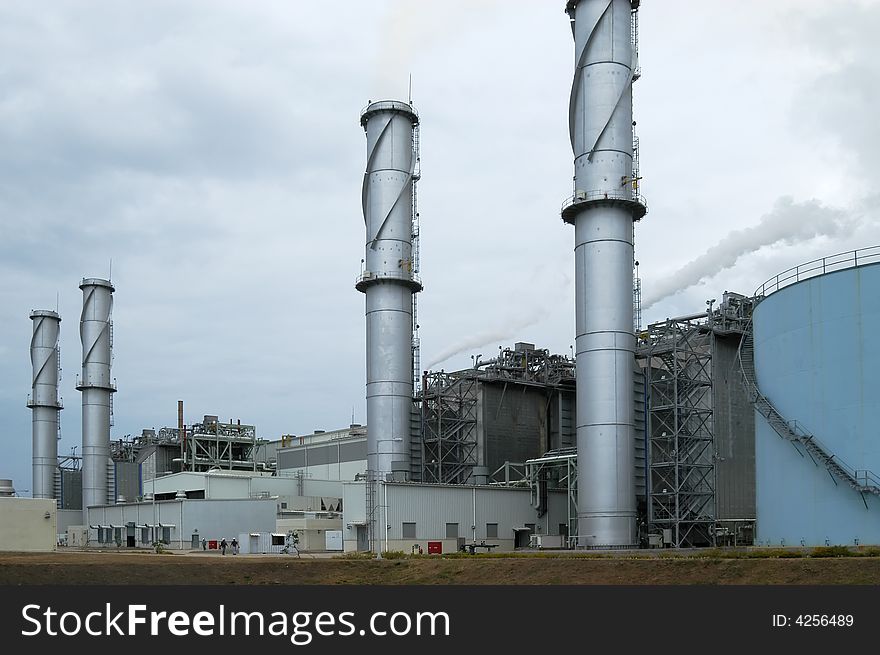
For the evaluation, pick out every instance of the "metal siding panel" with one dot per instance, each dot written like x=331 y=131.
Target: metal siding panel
x=514 y=423
x=290 y=459
x=734 y=424
x=350 y=452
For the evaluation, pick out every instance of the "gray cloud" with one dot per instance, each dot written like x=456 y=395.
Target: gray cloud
x=212 y=150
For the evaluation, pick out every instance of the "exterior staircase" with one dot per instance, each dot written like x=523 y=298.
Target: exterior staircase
x=862 y=480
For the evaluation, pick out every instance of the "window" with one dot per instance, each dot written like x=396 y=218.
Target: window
x=491 y=531
x=277 y=539
x=283 y=505
x=145 y=535
x=409 y=530
x=452 y=530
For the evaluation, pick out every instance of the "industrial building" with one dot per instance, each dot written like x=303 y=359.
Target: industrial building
x=745 y=422
x=701 y=465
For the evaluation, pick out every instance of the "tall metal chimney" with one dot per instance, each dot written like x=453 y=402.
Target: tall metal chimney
x=389 y=282
x=604 y=205
x=44 y=402
x=96 y=334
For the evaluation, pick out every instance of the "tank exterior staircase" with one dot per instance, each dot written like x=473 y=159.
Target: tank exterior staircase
x=862 y=480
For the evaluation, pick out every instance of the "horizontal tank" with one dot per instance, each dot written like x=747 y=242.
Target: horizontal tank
x=817 y=360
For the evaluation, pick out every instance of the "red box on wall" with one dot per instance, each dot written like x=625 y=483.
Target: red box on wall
x=212 y=544
x=435 y=547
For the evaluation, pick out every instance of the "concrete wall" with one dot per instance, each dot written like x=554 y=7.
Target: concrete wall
x=28 y=524
x=309 y=530
x=818 y=361
x=67 y=518
x=432 y=507
x=210 y=519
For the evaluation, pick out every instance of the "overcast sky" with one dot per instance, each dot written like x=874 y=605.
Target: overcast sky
x=212 y=150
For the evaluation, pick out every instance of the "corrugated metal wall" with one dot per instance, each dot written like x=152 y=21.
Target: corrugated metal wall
x=515 y=424
x=734 y=426
x=639 y=436
x=71 y=490
x=563 y=426
x=127 y=480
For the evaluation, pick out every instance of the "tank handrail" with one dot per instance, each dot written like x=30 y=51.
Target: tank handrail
x=838 y=262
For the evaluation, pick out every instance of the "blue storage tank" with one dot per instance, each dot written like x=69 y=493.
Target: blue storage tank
x=817 y=360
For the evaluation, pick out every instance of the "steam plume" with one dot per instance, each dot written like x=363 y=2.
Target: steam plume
x=788 y=224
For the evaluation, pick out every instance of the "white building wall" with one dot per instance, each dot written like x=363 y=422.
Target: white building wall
x=210 y=519
x=311 y=531
x=28 y=524
x=295 y=492
x=431 y=507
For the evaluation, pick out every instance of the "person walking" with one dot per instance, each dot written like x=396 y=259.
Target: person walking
x=234 y=546
x=223 y=546
x=204 y=544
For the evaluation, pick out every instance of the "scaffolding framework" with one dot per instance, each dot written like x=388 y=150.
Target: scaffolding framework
x=449 y=426
x=212 y=444
x=681 y=437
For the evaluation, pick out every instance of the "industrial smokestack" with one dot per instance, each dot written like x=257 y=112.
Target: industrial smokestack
x=604 y=205
x=389 y=283
x=95 y=331
x=44 y=402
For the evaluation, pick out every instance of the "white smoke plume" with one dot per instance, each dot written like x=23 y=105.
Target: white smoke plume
x=480 y=339
x=411 y=28
x=788 y=224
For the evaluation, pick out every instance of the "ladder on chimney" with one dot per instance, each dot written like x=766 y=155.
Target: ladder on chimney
x=372 y=537
x=417 y=174
x=862 y=480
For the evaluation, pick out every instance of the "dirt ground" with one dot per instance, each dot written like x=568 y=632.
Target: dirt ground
x=110 y=568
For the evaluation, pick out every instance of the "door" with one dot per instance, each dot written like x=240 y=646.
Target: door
x=363 y=543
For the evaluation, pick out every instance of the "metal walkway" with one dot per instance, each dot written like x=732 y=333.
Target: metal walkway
x=862 y=480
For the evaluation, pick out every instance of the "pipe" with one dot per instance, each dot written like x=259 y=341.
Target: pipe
x=602 y=211
x=44 y=402
x=97 y=387
x=474 y=517
x=181 y=431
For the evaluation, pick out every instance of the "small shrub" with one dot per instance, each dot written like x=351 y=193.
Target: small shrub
x=355 y=555
x=831 y=551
